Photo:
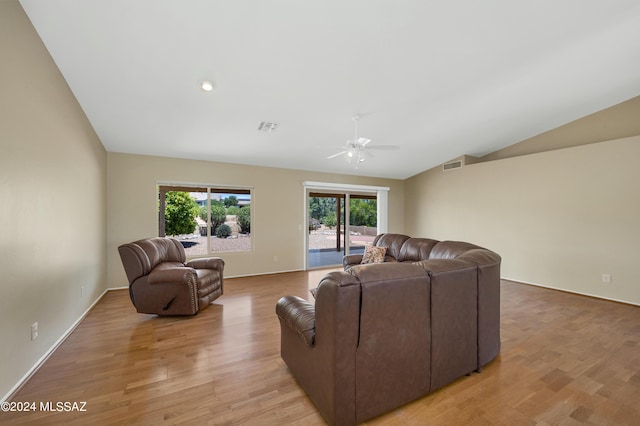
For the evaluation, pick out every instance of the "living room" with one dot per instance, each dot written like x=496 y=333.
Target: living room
x=561 y=216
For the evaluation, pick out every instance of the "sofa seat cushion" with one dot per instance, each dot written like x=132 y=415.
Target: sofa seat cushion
x=169 y=272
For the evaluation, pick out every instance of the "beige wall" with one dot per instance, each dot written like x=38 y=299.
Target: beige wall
x=559 y=218
x=52 y=201
x=616 y=122
x=277 y=207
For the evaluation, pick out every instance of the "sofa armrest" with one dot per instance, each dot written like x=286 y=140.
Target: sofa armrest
x=206 y=263
x=299 y=315
x=351 y=259
x=177 y=275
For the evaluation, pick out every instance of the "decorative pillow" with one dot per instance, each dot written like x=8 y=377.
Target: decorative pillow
x=374 y=254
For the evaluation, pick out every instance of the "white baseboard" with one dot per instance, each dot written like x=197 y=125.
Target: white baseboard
x=264 y=273
x=126 y=287
x=48 y=353
x=595 y=296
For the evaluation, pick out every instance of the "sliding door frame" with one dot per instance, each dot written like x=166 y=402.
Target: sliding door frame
x=382 y=197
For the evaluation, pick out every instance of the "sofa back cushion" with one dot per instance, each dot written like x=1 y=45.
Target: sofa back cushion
x=415 y=249
x=161 y=249
x=393 y=243
x=392 y=360
x=450 y=249
x=481 y=257
x=140 y=257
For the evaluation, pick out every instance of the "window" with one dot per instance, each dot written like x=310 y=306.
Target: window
x=206 y=219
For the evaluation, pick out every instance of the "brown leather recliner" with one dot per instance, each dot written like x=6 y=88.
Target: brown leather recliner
x=162 y=282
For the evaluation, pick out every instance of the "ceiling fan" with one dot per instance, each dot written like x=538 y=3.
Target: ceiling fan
x=358 y=149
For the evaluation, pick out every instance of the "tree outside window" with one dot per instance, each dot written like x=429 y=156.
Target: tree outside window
x=206 y=219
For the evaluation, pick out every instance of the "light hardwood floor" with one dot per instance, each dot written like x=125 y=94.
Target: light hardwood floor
x=565 y=360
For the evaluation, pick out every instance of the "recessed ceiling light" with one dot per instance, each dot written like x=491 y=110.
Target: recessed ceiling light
x=207 y=86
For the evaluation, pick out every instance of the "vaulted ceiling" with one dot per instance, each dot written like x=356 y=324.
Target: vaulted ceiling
x=437 y=78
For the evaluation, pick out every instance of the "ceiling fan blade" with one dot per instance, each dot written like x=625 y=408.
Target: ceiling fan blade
x=384 y=147
x=357 y=149
x=336 y=155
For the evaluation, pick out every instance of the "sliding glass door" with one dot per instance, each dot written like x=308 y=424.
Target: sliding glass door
x=339 y=223
x=363 y=222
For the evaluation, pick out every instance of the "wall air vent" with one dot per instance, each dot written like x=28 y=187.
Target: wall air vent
x=459 y=162
x=267 y=126
x=452 y=165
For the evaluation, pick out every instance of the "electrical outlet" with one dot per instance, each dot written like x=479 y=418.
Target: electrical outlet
x=275 y=258
x=606 y=278
x=34 y=331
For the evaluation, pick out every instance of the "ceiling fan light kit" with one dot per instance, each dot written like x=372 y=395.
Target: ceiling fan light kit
x=357 y=149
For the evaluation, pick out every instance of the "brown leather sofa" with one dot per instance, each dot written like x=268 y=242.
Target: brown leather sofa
x=162 y=282
x=381 y=335
x=400 y=248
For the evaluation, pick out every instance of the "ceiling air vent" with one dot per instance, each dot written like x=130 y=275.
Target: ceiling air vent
x=452 y=165
x=267 y=126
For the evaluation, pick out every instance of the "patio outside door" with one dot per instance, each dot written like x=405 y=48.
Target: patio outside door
x=339 y=223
